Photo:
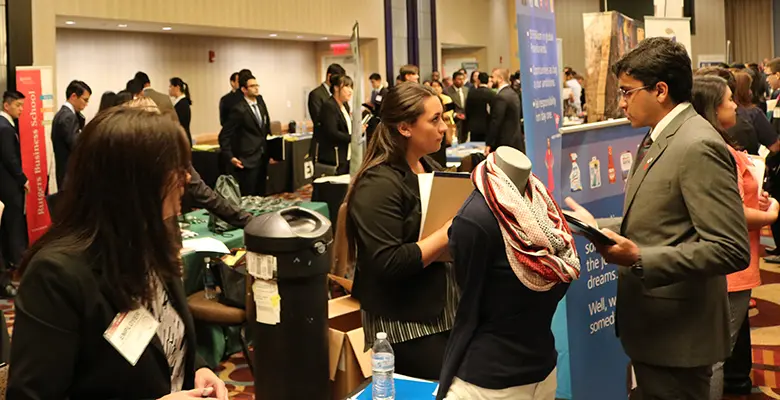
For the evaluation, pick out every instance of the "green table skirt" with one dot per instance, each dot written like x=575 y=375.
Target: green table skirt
x=216 y=342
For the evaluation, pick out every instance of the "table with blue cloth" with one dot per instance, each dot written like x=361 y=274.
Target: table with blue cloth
x=215 y=342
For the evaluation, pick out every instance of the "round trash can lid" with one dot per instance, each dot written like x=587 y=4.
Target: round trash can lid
x=288 y=230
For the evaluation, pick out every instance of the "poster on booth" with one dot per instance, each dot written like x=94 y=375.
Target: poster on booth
x=36 y=84
x=598 y=159
x=540 y=79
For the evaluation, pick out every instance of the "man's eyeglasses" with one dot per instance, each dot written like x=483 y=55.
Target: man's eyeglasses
x=626 y=94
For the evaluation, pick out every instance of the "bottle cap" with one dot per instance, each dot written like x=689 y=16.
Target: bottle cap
x=381 y=335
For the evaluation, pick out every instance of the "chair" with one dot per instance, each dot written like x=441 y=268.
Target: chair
x=216 y=313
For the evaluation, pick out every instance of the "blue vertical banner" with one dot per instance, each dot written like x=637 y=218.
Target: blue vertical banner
x=597 y=160
x=540 y=79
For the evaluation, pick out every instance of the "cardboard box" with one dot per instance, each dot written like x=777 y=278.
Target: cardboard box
x=349 y=364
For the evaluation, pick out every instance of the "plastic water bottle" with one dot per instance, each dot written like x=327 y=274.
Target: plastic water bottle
x=209 y=284
x=382 y=368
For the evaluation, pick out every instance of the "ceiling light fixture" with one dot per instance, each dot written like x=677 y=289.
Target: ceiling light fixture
x=122 y=26
x=299 y=37
x=166 y=28
x=273 y=35
x=324 y=38
x=70 y=22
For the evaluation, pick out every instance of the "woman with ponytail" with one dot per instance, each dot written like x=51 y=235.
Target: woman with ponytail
x=403 y=290
x=180 y=95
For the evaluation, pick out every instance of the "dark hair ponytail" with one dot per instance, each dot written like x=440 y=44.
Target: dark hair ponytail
x=183 y=86
x=403 y=103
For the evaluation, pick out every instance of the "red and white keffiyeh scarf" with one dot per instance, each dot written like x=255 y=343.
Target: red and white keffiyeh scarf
x=539 y=244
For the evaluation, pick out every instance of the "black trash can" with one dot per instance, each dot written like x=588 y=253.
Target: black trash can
x=291 y=357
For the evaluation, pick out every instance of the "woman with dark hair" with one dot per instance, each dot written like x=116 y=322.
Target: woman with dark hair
x=108 y=270
x=180 y=95
x=712 y=99
x=333 y=132
x=403 y=290
x=123 y=97
x=473 y=83
x=107 y=100
x=765 y=134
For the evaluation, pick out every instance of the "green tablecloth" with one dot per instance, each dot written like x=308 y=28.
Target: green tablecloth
x=215 y=341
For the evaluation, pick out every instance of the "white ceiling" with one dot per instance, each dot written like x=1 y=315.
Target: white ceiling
x=131 y=26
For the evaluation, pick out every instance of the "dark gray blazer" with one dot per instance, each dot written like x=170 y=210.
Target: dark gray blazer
x=683 y=210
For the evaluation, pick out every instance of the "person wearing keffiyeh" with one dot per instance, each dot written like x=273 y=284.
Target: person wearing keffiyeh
x=514 y=259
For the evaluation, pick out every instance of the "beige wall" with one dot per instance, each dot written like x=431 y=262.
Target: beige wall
x=568 y=26
x=710 y=37
x=317 y=18
x=475 y=23
x=107 y=60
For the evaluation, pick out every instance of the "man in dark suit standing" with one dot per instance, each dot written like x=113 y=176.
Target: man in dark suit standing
x=163 y=101
x=13 y=187
x=477 y=109
x=321 y=93
x=67 y=125
x=504 y=128
x=243 y=139
x=683 y=229
x=458 y=92
x=225 y=102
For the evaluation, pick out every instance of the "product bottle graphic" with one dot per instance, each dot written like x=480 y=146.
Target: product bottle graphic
x=626 y=161
x=574 y=177
x=611 y=167
x=595 y=173
x=549 y=161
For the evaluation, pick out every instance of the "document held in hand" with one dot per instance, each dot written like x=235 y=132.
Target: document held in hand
x=441 y=196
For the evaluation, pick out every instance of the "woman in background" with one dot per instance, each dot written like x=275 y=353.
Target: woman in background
x=403 y=290
x=113 y=253
x=107 y=100
x=712 y=99
x=441 y=155
x=180 y=95
x=333 y=132
x=473 y=82
x=747 y=108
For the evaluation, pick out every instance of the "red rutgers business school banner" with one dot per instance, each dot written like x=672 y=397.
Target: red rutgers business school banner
x=32 y=137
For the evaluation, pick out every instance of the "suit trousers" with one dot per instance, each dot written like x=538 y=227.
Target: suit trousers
x=13 y=238
x=544 y=390
x=252 y=180
x=672 y=383
x=739 y=303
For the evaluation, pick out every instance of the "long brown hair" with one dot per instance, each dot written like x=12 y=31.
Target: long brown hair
x=742 y=93
x=126 y=162
x=403 y=103
x=706 y=96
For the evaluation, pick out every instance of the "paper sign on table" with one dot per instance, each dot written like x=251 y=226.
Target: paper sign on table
x=206 y=245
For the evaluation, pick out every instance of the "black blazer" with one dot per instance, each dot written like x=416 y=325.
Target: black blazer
x=242 y=136
x=58 y=349
x=12 y=178
x=182 y=108
x=505 y=128
x=66 y=128
x=317 y=98
x=226 y=103
x=385 y=215
x=477 y=116
x=332 y=134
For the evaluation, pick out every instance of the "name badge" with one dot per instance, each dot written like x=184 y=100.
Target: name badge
x=131 y=332
x=378 y=97
x=776 y=113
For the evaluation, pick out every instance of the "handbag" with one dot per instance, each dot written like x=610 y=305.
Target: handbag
x=232 y=281
x=321 y=169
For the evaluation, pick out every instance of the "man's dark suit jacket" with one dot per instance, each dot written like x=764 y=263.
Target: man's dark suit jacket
x=226 y=103
x=12 y=178
x=242 y=137
x=477 y=116
x=59 y=352
x=317 y=97
x=331 y=133
x=505 y=128
x=66 y=128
